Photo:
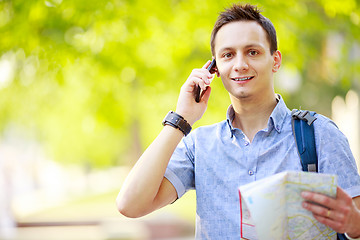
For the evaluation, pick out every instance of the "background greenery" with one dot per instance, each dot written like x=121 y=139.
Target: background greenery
x=92 y=80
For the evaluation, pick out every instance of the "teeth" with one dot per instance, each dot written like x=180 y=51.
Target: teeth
x=242 y=79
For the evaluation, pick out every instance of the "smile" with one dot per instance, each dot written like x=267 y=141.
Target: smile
x=242 y=78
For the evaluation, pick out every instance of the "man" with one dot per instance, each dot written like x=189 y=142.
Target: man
x=254 y=142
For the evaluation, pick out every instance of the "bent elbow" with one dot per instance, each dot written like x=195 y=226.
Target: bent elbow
x=128 y=213
x=127 y=209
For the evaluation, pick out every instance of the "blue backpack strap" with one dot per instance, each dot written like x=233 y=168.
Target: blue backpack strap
x=341 y=236
x=303 y=131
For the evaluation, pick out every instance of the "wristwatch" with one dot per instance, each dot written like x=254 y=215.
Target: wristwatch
x=175 y=120
x=351 y=237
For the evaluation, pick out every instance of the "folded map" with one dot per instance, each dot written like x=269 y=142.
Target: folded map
x=271 y=208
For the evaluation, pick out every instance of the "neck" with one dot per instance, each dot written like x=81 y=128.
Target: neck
x=252 y=113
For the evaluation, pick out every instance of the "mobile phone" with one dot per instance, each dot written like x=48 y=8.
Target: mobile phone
x=198 y=90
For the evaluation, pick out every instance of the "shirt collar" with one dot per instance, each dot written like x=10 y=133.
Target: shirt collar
x=230 y=115
x=279 y=114
x=276 y=120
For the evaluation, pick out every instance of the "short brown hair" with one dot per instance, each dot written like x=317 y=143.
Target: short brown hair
x=247 y=12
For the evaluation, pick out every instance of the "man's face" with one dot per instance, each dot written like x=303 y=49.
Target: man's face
x=244 y=61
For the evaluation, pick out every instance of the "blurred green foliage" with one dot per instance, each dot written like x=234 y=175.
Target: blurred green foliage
x=92 y=80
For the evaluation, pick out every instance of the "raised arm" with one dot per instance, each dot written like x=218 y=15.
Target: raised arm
x=145 y=188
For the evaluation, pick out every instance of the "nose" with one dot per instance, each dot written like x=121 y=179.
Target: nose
x=240 y=63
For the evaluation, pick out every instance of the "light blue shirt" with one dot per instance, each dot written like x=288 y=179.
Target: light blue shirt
x=215 y=160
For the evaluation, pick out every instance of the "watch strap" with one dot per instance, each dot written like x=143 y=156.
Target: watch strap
x=177 y=121
x=351 y=237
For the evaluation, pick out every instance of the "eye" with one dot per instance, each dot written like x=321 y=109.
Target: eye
x=227 y=55
x=253 y=52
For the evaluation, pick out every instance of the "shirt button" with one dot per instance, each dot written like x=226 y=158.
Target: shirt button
x=246 y=143
x=251 y=172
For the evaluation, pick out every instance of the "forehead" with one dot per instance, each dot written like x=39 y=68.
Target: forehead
x=240 y=34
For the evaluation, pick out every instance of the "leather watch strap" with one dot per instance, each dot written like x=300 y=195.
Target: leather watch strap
x=177 y=121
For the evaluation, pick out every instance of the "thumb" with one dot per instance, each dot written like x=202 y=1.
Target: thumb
x=206 y=95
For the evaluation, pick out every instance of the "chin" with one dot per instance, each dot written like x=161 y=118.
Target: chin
x=242 y=95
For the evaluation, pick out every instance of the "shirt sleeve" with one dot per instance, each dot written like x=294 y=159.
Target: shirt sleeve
x=180 y=170
x=335 y=156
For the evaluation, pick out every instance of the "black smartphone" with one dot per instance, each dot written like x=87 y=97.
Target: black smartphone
x=198 y=91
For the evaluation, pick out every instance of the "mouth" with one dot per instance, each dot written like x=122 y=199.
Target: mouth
x=242 y=79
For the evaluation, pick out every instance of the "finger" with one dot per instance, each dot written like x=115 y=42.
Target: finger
x=323 y=215
x=202 y=74
x=329 y=222
x=206 y=73
x=206 y=95
x=207 y=64
x=322 y=212
x=318 y=210
x=195 y=79
x=319 y=198
x=202 y=85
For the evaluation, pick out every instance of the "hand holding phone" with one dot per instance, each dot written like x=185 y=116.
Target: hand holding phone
x=198 y=91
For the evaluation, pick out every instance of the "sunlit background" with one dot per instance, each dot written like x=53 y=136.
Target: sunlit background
x=85 y=84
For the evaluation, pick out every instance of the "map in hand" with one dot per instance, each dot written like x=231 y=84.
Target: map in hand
x=271 y=208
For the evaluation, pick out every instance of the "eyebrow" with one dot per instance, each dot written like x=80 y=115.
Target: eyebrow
x=252 y=45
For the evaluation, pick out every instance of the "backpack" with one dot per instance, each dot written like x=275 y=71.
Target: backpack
x=303 y=131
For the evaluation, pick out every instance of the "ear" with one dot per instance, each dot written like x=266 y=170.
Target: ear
x=216 y=69
x=217 y=72
x=277 y=61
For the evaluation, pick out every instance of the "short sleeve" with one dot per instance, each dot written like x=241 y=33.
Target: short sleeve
x=180 y=170
x=335 y=156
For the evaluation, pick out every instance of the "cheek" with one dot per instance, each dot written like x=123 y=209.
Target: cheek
x=226 y=84
x=223 y=69
x=266 y=68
